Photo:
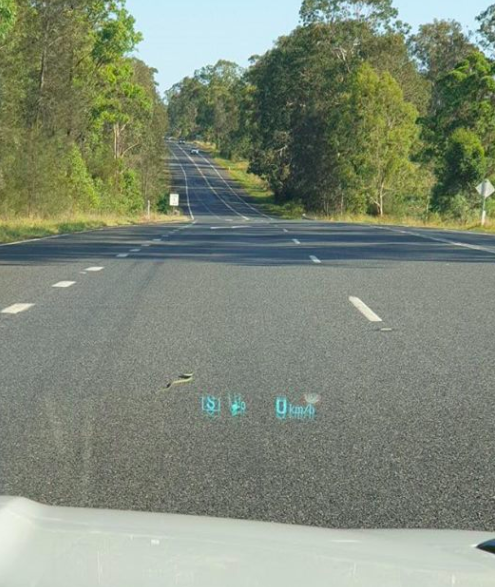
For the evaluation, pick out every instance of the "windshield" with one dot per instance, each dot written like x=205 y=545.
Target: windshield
x=247 y=259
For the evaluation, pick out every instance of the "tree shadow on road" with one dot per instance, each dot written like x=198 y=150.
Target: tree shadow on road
x=257 y=246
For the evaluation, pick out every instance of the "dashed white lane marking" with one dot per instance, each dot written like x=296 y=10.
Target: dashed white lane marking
x=146 y=245
x=157 y=240
x=122 y=256
x=296 y=242
x=94 y=269
x=135 y=250
x=365 y=310
x=285 y=230
x=234 y=192
x=315 y=260
x=17 y=309
x=212 y=188
x=64 y=284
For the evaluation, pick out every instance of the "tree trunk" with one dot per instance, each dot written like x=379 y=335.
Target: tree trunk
x=381 y=196
x=116 y=140
x=41 y=85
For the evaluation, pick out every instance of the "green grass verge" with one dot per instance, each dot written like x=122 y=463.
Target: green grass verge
x=411 y=221
x=255 y=187
x=24 y=228
x=263 y=197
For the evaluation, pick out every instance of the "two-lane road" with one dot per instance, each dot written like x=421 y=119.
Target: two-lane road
x=392 y=328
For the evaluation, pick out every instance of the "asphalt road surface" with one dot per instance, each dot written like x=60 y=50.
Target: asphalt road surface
x=392 y=328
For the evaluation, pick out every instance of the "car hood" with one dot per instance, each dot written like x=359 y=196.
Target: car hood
x=44 y=546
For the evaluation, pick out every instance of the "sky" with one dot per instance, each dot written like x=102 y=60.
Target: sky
x=181 y=36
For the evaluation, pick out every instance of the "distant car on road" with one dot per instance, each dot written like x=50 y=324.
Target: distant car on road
x=182 y=142
x=194 y=151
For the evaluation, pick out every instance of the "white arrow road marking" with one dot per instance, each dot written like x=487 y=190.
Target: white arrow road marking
x=295 y=241
x=365 y=310
x=17 y=308
x=315 y=260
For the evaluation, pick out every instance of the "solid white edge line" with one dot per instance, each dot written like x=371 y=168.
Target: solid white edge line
x=64 y=284
x=198 y=168
x=17 y=309
x=365 y=310
x=233 y=191
x=315 y=259
x=436 y=239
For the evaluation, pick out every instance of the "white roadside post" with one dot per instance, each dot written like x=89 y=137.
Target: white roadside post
x=149 y=209
x=174 y=202
x=485 y=190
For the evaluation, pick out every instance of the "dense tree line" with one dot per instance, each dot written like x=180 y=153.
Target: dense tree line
x=81 y=122
x=351 y=112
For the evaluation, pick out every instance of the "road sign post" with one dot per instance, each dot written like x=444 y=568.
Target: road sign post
x=483 y=210
x=485 y=190
x=174 y=200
